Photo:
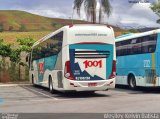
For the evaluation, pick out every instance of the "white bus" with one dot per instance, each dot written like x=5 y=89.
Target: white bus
x=75 y=58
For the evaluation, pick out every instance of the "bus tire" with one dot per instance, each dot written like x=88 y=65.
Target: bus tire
x=132 y=82
x=51 y=90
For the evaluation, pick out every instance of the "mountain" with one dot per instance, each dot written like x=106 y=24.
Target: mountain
x=13 y=20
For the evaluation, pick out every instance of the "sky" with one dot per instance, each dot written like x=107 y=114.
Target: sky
x=125 y=13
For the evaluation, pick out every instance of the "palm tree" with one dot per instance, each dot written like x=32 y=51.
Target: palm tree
x=90 y=8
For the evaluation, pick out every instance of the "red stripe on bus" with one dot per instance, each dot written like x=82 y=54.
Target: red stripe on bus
x=91 y=43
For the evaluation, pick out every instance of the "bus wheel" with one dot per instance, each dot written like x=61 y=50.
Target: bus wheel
x=51 y=85
x=132 y=82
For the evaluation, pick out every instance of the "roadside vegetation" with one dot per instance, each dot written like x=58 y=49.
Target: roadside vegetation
x=12 y=64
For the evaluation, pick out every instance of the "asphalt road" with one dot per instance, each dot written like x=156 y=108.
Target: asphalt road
x=29 y=99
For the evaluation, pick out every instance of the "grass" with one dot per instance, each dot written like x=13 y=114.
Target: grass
x=11 y=37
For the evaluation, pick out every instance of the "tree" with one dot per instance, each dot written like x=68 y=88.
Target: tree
x=156 y=9
x=90 y=8
x=5 y=49
x=15 y=55
x=25 y=44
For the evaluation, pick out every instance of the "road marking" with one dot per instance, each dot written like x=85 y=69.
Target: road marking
x=42 y=93
x=34 y=100
x=12 y=85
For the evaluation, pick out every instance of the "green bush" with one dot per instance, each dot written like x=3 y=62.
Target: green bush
x=13 y=70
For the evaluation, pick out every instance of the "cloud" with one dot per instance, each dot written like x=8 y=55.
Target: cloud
x=129 y=15
x=133 y=15
x=48 y=8
x=49 y=13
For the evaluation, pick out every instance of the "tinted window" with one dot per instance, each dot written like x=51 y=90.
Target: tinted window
x=50 y=47
x=149 y=44
x=146 y=44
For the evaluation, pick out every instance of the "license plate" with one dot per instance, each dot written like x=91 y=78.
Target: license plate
x=92 y=84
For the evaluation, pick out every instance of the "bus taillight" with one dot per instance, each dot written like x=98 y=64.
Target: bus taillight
x=67 y=71
x=113 y=73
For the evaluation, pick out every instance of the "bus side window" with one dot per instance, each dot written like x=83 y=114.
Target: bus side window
x=141 y=45
x=149 y=44
x=145 y=44
x=136 y=46
x=56 y=43
x=151 y=48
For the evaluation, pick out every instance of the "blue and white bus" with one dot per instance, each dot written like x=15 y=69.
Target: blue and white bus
x=138 y=59
x=75 y=58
